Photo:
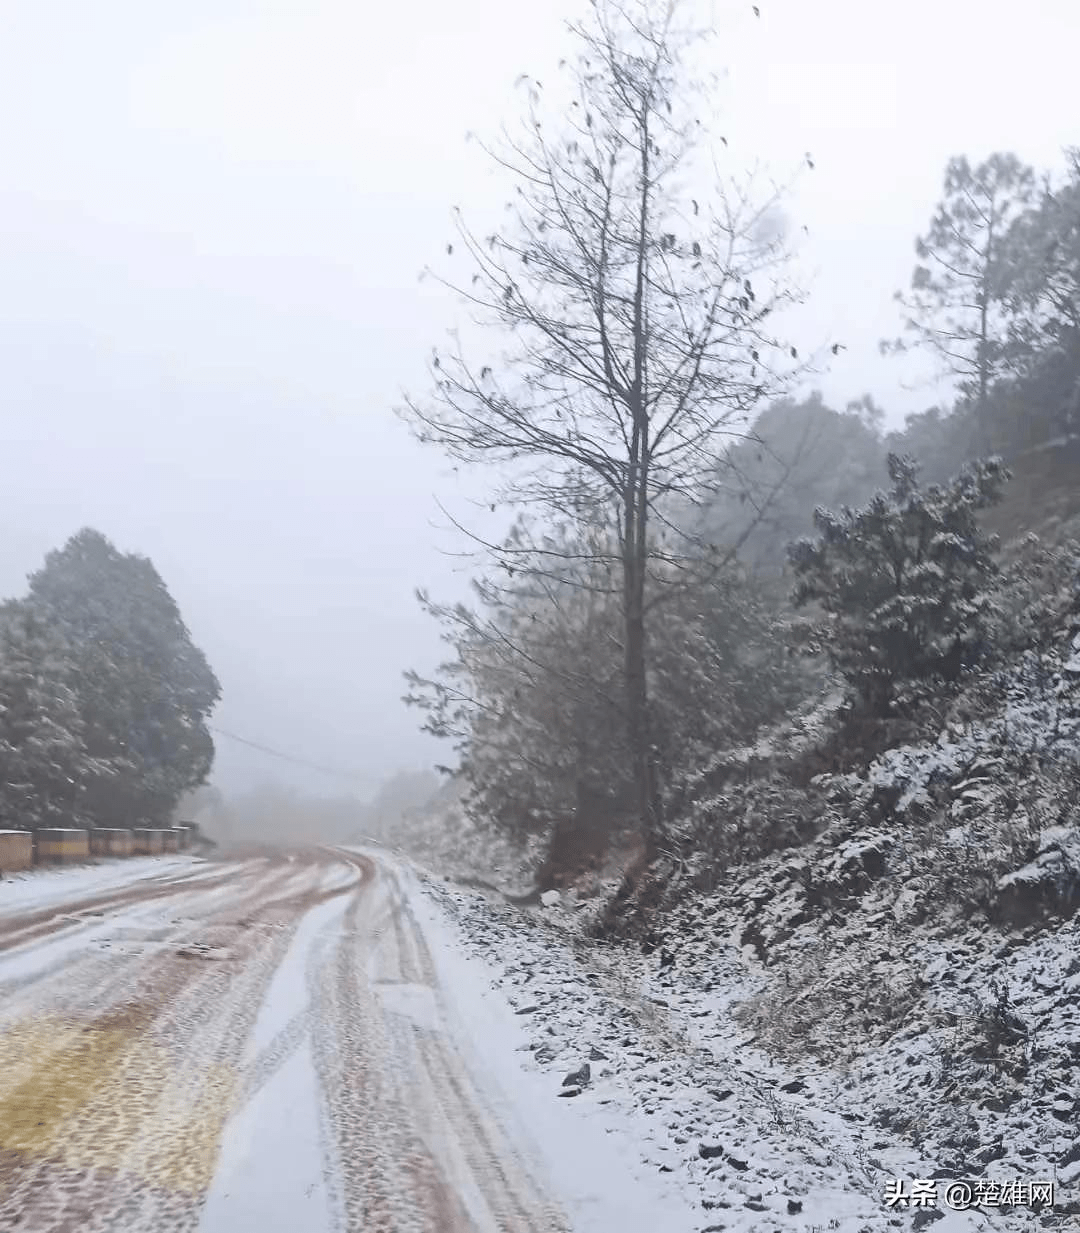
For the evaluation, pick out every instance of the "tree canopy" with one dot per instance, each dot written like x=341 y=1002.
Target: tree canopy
x=903 y=581
x=103 y=696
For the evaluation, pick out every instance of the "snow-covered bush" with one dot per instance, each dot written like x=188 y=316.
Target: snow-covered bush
x=745 y=819
x=1035 y=593
x=903 y=582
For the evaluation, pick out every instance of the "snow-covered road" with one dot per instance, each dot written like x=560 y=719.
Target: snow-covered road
x=287 y=1043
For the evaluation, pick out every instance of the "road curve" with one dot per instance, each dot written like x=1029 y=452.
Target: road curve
x=256 y=1043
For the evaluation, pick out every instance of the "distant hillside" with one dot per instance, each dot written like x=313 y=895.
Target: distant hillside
x=1043 y=496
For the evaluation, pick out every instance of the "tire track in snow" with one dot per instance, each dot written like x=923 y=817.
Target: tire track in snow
x=130 y=1053
x=449 y=1167
x=116 y=1080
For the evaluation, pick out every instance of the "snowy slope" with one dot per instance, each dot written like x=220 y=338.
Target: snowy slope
x=755 y=1144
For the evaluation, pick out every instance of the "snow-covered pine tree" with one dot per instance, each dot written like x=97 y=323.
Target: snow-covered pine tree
x=144 y=690
x=44 y=763
x=904 y=581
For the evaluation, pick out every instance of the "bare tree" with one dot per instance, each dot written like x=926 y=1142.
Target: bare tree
x=638 y=316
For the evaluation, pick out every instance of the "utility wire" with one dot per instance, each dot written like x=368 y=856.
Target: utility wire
x=285 y=757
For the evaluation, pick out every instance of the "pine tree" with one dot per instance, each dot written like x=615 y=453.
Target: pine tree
x=903 y=582
x=143 y=689
x=44 y=763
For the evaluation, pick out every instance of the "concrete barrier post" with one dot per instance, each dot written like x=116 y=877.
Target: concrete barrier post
x=61 y=845
x=16 y=851
x=111 y=841
x=144 y=841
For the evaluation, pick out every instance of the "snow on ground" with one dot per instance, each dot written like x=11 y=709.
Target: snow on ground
x=271 y=1173
x=683 y=1124
x=267 y=1180
x=600 y=1184
x=698 y=1111
x=46 y=887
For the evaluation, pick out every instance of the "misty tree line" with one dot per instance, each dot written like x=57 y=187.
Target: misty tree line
x=667 y=588
x=103 y=697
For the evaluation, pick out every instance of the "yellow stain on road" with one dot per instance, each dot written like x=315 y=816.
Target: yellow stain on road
x=107 y=1095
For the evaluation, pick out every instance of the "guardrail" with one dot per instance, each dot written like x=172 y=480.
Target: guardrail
x=58 y=845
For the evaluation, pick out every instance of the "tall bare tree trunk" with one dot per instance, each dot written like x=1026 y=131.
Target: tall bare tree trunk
x=635 y=563
x=983 y=360
x=638 y=727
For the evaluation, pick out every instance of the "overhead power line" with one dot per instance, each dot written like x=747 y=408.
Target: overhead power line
x=287 y=757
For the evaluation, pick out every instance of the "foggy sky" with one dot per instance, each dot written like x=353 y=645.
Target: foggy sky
x=212 y=218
